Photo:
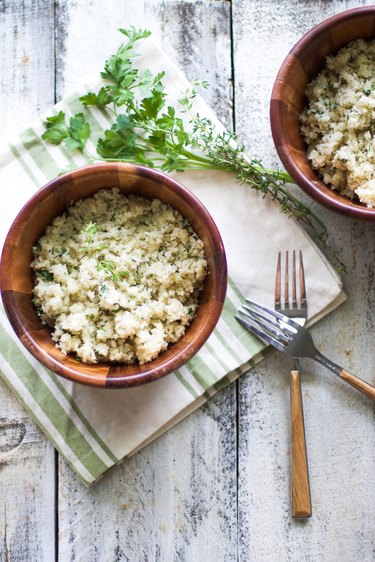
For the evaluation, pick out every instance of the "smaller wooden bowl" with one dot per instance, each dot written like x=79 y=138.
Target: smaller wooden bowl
x=16 y=277
x=306 y=60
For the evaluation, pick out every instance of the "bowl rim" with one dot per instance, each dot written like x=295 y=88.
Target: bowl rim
x=316 y=189
x=147 y=374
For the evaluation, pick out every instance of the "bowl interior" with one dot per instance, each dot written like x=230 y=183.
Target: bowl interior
x=288 y=99
x=51 y=201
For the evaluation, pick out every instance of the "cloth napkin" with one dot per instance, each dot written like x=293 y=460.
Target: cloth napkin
x=94 y=429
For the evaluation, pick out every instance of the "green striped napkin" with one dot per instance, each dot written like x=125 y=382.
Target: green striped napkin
x=96 y=428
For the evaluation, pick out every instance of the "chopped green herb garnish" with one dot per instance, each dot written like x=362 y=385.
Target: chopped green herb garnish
x=106 y=266
x=89 y=230
x=37 y=306
x=47 y=275
x=101 y=246
x=102 y=289
x=110 y=269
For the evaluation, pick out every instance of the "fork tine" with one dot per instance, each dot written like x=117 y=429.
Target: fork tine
x=294 y=281
x=278 y=284
x=302 y=284
x=265 y=323
x=266 y=338
x=286 y=288
x=290 y=323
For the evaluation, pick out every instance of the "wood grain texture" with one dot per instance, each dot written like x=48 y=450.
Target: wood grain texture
x=341 y=455
x=175 y=500
x=27 y=459
x=301 y=501
x=359 y=384
x=27 y=492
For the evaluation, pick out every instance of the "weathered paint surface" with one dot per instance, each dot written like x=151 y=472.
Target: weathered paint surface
x=27 y=459
x=339 y=422
x=216 y=487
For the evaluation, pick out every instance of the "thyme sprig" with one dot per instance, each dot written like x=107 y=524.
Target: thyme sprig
x=147 y=130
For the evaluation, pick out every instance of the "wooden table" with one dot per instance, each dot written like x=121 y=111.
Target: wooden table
x=216 y=487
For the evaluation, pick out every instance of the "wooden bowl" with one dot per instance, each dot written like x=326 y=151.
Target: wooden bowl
x=16 y=277
x=304 y=62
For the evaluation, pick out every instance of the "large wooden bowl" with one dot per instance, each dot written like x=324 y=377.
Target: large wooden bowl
x=304 y=62
x=17 y=280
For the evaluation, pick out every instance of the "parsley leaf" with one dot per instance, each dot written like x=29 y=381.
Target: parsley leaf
x=79 y=132
x=120 y=141
x=101 y=99
x=57 y=129
x=134 y=34
x=74 y=136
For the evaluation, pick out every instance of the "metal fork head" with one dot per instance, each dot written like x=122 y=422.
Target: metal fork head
x=274 y=328
x=294 y=303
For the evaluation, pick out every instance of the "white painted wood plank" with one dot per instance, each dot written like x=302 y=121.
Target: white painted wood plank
x=339 y=421
x=176 y=499
x=27 y=62
x=27 y=459
x=27 y=493
x=196 y=34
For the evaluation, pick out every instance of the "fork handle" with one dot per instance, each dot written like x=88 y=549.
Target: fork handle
x=301 y=501
x=358 y=383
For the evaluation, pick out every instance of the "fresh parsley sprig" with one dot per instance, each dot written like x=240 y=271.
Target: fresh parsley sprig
x=149 y=131
x=74 y=134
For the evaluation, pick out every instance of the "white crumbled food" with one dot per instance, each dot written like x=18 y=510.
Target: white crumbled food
x=338 y=125
x=118 y=277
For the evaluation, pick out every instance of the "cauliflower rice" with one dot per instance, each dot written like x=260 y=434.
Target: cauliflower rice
x=338 y=125
x=118 y=277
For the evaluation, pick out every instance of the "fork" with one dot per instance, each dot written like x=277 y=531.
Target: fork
x=294 y=340
x=301 y=499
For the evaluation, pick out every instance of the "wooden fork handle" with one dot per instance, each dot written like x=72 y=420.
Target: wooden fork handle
x=358 y=383
x=301 y=501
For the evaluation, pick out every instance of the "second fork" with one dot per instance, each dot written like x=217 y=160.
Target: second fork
x=296 y=308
